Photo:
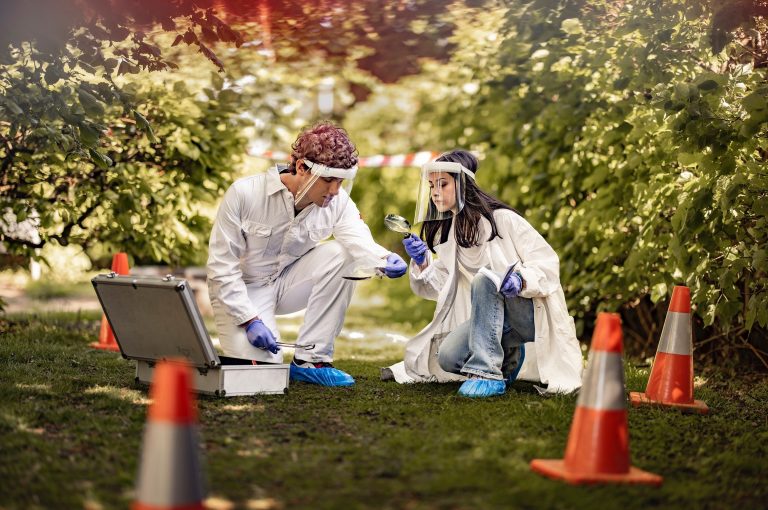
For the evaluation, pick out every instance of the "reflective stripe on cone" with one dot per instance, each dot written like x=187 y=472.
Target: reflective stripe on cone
x=603 y=385
x=676 y=337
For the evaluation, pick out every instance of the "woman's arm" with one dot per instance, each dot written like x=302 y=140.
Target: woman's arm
x=428 y=279
x=539 y=265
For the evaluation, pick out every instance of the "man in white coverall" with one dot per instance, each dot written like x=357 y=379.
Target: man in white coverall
x=265 y=257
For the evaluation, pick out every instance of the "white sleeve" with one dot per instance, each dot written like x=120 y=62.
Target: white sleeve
x=429 y=282
x=539 y=265
x=352 y=232
x=226 y=246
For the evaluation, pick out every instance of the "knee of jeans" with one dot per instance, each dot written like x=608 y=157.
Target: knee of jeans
x=481 y=283
x=446 y=360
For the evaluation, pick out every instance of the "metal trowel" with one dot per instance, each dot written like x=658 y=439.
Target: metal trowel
x=363 y=273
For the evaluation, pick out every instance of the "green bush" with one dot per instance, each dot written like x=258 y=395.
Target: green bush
x=635 y=148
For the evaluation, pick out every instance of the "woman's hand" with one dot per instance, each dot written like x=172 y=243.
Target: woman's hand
x=512 y=285
x=416 y=249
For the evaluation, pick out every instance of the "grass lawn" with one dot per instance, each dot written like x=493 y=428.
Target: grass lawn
x=71 y=424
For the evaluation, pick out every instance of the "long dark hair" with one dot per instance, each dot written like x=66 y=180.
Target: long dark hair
x=477 y=204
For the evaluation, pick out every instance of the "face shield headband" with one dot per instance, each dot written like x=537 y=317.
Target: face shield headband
x=320 y=171
x=445 y=166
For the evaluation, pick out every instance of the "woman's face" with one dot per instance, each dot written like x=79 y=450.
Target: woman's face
x=442 y=190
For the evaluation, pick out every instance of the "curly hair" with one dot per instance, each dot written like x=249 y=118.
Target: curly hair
x=324 y=143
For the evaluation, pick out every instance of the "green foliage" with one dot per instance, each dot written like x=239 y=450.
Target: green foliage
x=73 y=160
x=93 y=154
x=636 y=151
x=108 y=180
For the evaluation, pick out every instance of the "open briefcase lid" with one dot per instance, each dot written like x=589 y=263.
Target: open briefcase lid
x=155 y=319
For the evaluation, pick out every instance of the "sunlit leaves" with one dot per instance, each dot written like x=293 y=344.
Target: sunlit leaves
x=100 y=159
x=636 y=151
x=143 y=124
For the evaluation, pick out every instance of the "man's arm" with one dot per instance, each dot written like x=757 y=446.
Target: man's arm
x=225 y=247
x=352 y=232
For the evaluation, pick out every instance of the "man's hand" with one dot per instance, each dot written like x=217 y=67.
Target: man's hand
x=260 y=336
x=396 y=266
x=416 y=249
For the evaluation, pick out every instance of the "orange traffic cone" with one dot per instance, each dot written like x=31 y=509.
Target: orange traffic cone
x=598 y=443
x=170 y=472
x=106 y=336
x=671 y=381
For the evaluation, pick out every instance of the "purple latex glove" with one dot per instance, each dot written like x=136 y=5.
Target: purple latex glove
x=396 y=266
x=260 y=336
x=512 y=284
x=416 y=249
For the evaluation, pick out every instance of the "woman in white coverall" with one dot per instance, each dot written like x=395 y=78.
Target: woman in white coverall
x=501 y=313
x=265 y=256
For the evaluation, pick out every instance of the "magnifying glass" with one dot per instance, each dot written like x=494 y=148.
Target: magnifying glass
x=395 y=223
x=398 y=224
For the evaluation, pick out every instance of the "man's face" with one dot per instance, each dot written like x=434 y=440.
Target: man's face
x=322 y=191
x=442 y=190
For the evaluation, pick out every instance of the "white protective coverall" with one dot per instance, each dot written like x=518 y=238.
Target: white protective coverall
x=554 y=358
x=264 y=261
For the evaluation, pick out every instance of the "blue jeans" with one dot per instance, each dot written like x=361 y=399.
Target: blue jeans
x=488 y=344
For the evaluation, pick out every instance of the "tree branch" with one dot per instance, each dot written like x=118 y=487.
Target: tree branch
x=63 y=238
x=22 y=242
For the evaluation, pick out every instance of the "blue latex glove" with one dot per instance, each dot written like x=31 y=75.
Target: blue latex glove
x=416 y=249
x=512 y=284
x=396 y=266
x=260 y=336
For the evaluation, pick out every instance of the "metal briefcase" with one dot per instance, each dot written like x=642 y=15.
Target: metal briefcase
x=157 y=318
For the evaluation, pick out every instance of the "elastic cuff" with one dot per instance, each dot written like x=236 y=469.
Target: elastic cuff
x=418 y=273
x=315 y=358
x=245 y=317
x=530 y=294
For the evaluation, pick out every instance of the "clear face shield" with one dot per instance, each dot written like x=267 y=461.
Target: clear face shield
x=441 y=191
x=325 y=185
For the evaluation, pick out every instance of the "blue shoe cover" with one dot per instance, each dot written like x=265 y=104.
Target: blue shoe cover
x=513 y=376
x=326 y=376
x=482 y=388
